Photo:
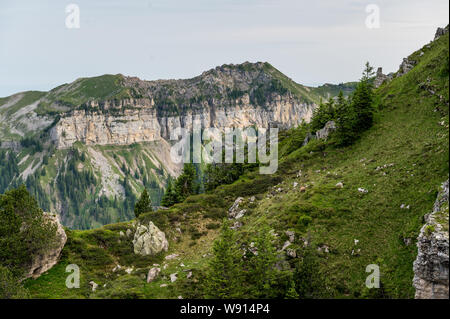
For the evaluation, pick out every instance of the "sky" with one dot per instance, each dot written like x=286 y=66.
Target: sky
x=312 y=42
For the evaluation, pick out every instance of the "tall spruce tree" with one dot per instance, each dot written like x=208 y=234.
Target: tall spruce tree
x=224 y=275
x=185 y=183
x=170 y=196
x=262 y=273
x=356 y=115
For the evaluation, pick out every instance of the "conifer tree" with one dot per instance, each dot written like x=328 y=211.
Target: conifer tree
x=169 y=197
x=185 y=183
x=224 y=274
x=143 y=205
x=262 y=272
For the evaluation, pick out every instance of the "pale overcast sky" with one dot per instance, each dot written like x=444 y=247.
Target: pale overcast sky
x=313 y=42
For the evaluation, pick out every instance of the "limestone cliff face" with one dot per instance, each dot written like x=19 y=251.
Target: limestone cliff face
x=138 y=120
x=431 y=266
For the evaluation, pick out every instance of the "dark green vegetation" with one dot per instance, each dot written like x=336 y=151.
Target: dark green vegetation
x=401 y=158
x=69 y=180
x=25 y=233
x=353 y=115
x=143 y=205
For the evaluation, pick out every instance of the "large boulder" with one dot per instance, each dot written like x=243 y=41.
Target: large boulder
x=46 y=260
x=149 y=240
x=431 y=273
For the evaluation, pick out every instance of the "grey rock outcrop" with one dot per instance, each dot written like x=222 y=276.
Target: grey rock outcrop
x=326 y=130
x=405 y=66
x=235 y=212
x=380 y=78
x=440 y=32
x=323 y=133
x=431 y=276
x=149 y=240
x=45 y=261
x=153 y=273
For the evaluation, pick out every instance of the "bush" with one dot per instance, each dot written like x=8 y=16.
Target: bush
x=9 y=286
x=24 y=231
x=303 y=222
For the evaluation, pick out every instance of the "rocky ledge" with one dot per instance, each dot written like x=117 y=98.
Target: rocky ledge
x=431 y=266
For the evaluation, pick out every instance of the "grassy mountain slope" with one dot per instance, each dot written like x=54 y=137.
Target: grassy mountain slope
x=401 y=161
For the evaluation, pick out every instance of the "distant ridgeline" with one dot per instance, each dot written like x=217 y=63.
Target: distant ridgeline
x=86 y=149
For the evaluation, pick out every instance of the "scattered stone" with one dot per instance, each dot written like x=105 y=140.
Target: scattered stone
x=324 y=248
x=93 y=285
x=152 y=274
x=241 y=214
x=340 y=185
x=356 y=241
x=362 y=190
x=129 y=270
x=253 y=249
x=286 y=245
x=121 y=234
x=291 y=235
x=117 y=268
x=180 y=297
x=163 y=285
x=172 y=256
x=129 y=232
x=291 y=253
x=173 y=277
x=236 y=225
x=295 y=184
x=189 y=275
x=252 y=199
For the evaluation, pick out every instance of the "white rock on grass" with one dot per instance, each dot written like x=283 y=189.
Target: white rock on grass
x=172 y=256
x=152 y=274
x=149 y=240
x=93 y=285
